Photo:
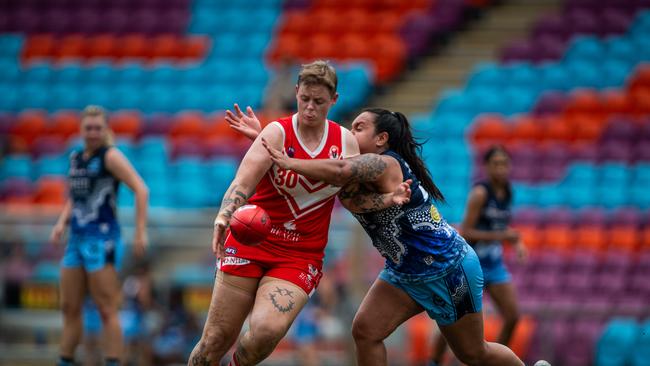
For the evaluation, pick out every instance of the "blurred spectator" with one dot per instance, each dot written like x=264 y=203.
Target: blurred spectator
x=138 y=300
x=178 y=334
x=280 y=94
x=16 y=270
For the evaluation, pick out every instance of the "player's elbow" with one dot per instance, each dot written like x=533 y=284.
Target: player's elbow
x=343 y=174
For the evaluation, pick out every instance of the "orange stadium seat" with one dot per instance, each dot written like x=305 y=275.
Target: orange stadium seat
x=641 y=98
x=321 y=45
x=30 y=125
x=188 y=125
x=217 y=127
x=390 y=22
x=591 y=238
x=531 y=236
x=641 y=78
x=616 y=102
x=298 y=23
x=104 y=45
x=585 y=101
x=195 y=47
x=166 y=46
x=587 y=129
x=72 y=46
x=527 y=129
x=359 y=22
x=419 y=332
x=64 y=124
x=38 y=46
x=327 y=21
x=491 y=128
x=645 y=239
x=624 y=238
x=289 y=45
x=126 y=123
x=354 y=46
x=133 y=46
x=559 y=237
x=51 y=191
x=556 y=129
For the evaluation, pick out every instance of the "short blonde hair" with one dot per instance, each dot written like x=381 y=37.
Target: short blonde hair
x=97 y=111
x=319 y=72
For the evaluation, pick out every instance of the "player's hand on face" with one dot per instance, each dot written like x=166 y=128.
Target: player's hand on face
x=219 y=237
x=402 y=195
x=246 y=124
x=278 y=157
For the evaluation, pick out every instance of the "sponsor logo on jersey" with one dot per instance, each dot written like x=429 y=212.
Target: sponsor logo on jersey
x=334 y=152
x=231 y=250
x=234 y=261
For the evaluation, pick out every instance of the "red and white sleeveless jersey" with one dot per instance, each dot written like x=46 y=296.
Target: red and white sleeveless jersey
x=300 y=208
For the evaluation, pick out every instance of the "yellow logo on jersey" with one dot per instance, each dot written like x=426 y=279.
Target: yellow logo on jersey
x=435 y=215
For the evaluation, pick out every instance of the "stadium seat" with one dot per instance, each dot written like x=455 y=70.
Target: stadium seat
x=617 y=342
x=51 y=191
x=641 y=350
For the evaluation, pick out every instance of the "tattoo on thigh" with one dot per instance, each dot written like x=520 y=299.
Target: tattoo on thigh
x=281 y=299
x=199 y=360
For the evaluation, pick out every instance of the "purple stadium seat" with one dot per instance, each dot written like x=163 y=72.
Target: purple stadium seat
x=642 y=151
x=550 y=103
x=559 y=216
x=583 y=22
x=527 y=216
x=143 y=21
x=578 y=348
x=118 y=20
x=296 y=4
x=616 y=21
x=517 y=51
x=592 y=216
x=16 y=187
x=552 y=25
x=47 y=145
x=611 y=283
x=632 y=305
x=416 y=33
x=615 y=151
x=187 y=147
x=557 y=154
x=58 y=21
x=88 y=21
x=622 y=130
x=26 y=20
x=525 y=173
x=577 y=283
x=627 y=216
x=549 y=48
x=173 y=20
x=552 y=171
x=6 y=123
x=157 y=124
x=587 y=152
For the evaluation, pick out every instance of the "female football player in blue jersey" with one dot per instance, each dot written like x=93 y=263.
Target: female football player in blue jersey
x=429 y=266
x=88 y=262
x=486 y=226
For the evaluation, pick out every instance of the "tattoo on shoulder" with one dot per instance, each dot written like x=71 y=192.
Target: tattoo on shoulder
x=367 y=167
x=281 y=299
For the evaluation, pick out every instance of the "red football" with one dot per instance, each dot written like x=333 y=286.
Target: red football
x=250 y=224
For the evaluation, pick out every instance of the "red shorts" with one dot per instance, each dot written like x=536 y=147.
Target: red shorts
x=256 y=262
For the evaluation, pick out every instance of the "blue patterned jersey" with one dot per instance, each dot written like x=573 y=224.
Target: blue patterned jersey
x=414 y=238
x=93 y=191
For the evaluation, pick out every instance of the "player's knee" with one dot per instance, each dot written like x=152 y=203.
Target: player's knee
x=363 y=330
x=215 y=338
x=472 y=355
x=267 y=334
x=71 y=309
x=107 y=312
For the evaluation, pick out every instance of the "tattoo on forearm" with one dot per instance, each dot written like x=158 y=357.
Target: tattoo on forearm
x=367 y=167
x=281 y=299
x=232 y=200
x=362 y=200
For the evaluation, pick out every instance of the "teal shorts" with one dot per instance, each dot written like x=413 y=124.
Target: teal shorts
x=448 y=298
x=92 y=252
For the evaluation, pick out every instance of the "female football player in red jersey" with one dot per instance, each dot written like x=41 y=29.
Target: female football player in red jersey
x=273 y=281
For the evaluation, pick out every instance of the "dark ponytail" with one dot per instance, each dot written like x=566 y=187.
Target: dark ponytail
x=401 y=140
x=493 y=150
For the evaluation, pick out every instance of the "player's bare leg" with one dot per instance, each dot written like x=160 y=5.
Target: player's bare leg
x=232 y=299
x=277 y=304
x=466 y=339
x=383 y=309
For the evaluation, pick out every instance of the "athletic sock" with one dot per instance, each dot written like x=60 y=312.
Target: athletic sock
x=65 y=361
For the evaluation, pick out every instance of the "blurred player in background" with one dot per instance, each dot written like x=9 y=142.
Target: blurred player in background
x=88 y=264
x=428 y=265
x=486 y=226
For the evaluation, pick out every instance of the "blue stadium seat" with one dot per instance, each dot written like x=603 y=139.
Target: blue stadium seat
x=158 y=98
x=581 y=174
x=95 y=94
x=164 y=73
x=9 y=71
x=487 y=75
x=127 y=147
x=125 y=197
x=100 y=73
x=191 y=274
x=641 y=173
x=64 y=96
x=191 y=97
x=153 y=148
x=69 y=73
x=453 y=102
x=485 y=100
x=523 y=74
x=16 y=166
x=585 y=48
x=584 y=73
x=613 y=196
x=515 y=100
x=579 y=196
x=10 y=97
x=550 y=195
x=524 y=195
x=37 y=73
x=195 y=75
x=615 y=346
x=621 y=48
x=51 y=165
x=641 y=351
x=32 y=96
x=131 y=73
x=555 y=77
x=127 y=96
x=614 y=174
x=615 y=72
x=10 y=45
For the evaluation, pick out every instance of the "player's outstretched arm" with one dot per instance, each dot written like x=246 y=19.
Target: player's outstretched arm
x=364 y=168
x=246 y=124
x=358 y=199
